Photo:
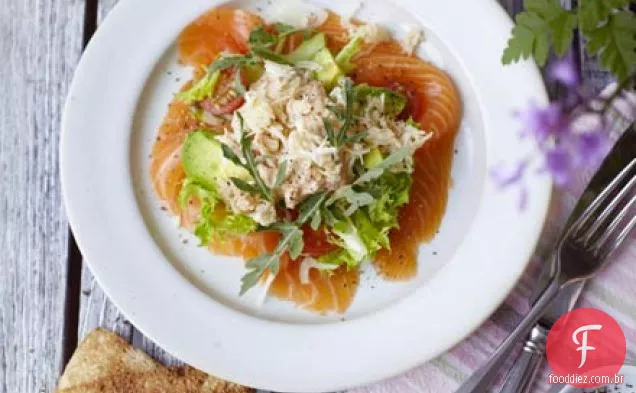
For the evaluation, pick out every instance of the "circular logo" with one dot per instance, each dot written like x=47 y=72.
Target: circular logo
x=586 y=348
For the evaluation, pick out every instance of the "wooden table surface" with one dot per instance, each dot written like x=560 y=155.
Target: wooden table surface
x=48 y=297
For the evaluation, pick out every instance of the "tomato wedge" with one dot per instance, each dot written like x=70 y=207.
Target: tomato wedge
x=226 y=99
x=316 y=243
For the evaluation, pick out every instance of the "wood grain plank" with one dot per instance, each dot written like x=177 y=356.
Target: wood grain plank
x=40 y=42
x=96 y=309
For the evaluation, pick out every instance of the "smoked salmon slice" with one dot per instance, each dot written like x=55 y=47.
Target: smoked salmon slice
x=219 y=30
x=440 y=114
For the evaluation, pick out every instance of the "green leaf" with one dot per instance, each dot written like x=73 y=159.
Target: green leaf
x=245 y=186
x=226 y=61
x=394 y=102
x=192 y=188
x=267 y=54
x=563 y=32
x=395 y=158
x=615 y=43
x=259 y=186
x=281 y=174
x=283 y=28
x=310 y=207
x=201 y=90
x=291 y=240
x=260 y=37
x=230 y=155
x=544 y=23
x=238 y=83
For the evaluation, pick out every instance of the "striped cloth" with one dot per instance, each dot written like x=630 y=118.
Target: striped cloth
x=613 y=290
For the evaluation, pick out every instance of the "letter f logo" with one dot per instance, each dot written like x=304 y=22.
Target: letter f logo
x=583 y=344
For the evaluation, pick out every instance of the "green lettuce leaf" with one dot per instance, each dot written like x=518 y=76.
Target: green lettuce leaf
x=213 y=224
x=344 y=58
x=201 y=90
x=339 y=257
x=394 y=102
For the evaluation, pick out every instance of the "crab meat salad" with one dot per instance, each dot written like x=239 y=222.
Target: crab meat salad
x=308 y=150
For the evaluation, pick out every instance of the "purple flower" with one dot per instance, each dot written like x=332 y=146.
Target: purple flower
x=591 y=147
x=542 y=123
x=558 y=162
x=506 y=175
x=565 y=71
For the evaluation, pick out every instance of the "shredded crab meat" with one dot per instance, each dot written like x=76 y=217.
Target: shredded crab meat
x=283 y=114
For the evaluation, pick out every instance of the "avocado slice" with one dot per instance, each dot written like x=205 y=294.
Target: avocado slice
x=308 y=49
x=330 y=72
x=203 y=160
x=372 y=158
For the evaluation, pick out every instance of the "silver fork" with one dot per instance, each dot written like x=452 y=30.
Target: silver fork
x=585 y=248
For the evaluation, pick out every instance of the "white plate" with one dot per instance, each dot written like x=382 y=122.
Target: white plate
x=186 y=299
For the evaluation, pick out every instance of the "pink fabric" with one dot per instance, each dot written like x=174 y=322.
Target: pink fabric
x=613 y=291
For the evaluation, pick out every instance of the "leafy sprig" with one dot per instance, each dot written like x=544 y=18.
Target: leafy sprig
x=291 y=241
x=607 y=25
x=346 y=118
x=249 y=164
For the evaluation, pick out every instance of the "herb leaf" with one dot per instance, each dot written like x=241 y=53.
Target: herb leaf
x=260 y=37
x=375 y=172
x=614 y=40
x=281 y=174
x=270 y=55
x=310 y=207
x=229 y=154
x=228 y=61
x=238 y=83
x=259 y=187
x=250 y=162
x=543 y=23
x=244 y=186
x=291 y=240
x=346 y=117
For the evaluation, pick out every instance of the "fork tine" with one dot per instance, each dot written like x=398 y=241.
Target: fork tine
x=588 y=216
x=610 y=233
x=603 y=231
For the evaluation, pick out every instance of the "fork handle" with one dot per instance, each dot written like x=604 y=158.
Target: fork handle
x=480 y=380
x=521 y=377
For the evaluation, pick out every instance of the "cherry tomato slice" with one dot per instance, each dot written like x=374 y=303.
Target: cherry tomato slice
x=316 y=243
x=226 y=100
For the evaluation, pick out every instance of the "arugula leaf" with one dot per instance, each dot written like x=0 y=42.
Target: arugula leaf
x=259 y=187
x=226 y=61
x=229 y=154
x=614 y=40
x=250 y=165
x=377 y=170
x=261 y=37
x=346 y=117
x=310 y=208
x=270 y=55
x=245 y=186
x=543 y=23
x=291 y=240
x=285 y=29
x=281 y=174
x=238 y=83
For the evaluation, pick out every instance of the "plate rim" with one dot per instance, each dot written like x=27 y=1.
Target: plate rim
x=127 y=300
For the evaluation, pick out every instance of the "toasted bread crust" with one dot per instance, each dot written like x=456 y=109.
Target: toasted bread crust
x=106 y=363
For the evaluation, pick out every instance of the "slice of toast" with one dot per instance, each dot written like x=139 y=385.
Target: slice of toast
x=106 y=363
